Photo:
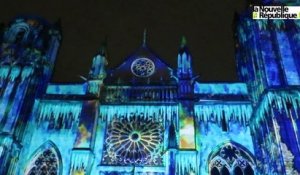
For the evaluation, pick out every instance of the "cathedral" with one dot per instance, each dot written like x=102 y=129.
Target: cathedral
x=144 y=117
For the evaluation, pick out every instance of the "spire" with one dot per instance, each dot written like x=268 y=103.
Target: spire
x=57 y=25
x=183 y=46
x=183 y=42
x=103 y=47
x=145 y=37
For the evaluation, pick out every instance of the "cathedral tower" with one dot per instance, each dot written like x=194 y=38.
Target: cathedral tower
x=267 y=55
x=27 y=54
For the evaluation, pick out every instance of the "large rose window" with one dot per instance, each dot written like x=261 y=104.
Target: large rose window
x=134 y=140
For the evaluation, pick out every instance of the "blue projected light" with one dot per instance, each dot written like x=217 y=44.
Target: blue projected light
x=144 y=117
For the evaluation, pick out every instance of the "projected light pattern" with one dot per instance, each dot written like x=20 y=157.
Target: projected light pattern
x=135 y=140
x=187 y=133
x=268 y=61
x=145 y=117
x=187 y=129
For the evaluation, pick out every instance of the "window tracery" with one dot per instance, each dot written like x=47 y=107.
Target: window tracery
x=134 y=140
x=231 y=160
x=45 y=162
x=143 y=67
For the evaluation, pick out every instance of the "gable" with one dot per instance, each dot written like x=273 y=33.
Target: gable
x=143 y=67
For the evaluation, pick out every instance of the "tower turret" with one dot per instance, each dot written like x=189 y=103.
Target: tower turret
x=97 y=72
x=267 y=55
x=184 y=59
x=184 y=71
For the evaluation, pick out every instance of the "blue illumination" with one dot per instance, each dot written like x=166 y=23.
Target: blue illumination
x=144 y=117
x=221 y=88
x=67 y=89
x=268 y=62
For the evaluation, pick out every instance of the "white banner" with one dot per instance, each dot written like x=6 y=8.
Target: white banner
x=276 y=12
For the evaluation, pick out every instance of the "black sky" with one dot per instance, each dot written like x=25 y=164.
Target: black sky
x=207 y=25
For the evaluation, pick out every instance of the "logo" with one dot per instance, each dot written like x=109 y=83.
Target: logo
x=276 y=12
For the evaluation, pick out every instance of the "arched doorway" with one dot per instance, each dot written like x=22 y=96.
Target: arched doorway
x=231 y=159
x=45 y=161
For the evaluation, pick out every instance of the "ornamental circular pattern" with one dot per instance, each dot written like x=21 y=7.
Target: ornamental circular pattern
x=134 y=140
x=142 y=67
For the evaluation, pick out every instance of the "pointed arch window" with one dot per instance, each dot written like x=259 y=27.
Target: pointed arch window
x=20 y=36
x=238 y=171
x=225 y=171
x=46 y=161
x=248 y=170
x=215 y=171
x=18 y=32
x=231 y=159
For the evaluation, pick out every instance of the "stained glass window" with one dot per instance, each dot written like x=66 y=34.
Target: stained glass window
x=230 y=159
x=215 y=171
x=45 y=162
x=142 y=67
x=134 y=140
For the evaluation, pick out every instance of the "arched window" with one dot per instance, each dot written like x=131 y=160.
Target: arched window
x=20 y=36
x=248 y=170
x=231 y=159
x=17 y=32
x=225 y=171
x=46 y=161
x=214 y=171
x=238 y=171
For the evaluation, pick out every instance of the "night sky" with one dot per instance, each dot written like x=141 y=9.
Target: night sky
x=206 y=24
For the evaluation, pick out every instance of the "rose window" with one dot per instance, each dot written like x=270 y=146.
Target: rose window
x=134 y=140
x=142 y=67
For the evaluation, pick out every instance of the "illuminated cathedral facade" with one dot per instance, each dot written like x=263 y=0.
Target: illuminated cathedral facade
x=144 y=117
